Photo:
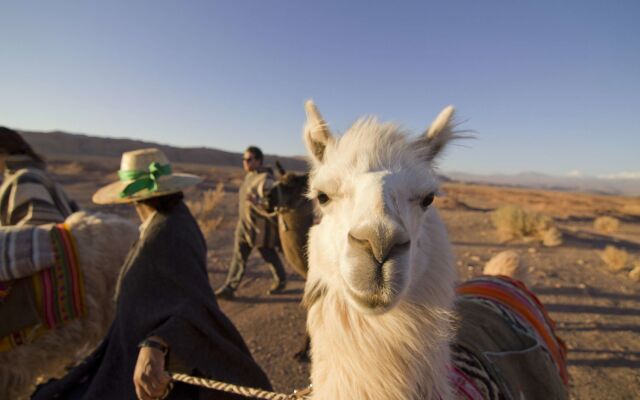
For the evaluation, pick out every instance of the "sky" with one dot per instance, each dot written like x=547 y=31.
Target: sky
x=546 y=86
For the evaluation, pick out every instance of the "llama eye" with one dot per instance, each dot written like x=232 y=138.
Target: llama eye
x=426 y=201
x=322 y=198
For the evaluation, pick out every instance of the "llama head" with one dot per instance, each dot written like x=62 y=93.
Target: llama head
x=289 y=191
x=375 y=186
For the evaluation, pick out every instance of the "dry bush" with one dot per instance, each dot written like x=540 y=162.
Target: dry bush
x=543 y=223
x=205 y=211
x=606 y=224
x=506 y=263
x=616 y=259
x=512 y=222
x=552 y=237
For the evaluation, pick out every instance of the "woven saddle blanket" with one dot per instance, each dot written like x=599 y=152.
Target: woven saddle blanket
x=506 y=346
x=25 y=250
x=41 y=284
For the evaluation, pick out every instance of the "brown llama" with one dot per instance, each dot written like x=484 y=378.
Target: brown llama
x=295 y=216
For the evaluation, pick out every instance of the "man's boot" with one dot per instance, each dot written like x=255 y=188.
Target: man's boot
x=225 y=292
x=277 y=287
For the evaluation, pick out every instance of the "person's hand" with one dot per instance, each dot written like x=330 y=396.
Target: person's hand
x=253 y=199
x=150 y=379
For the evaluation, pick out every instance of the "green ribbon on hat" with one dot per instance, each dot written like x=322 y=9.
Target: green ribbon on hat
x=142 y=179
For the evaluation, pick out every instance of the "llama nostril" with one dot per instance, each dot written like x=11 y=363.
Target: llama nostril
x=362 y=244
x=383 y=253
x=398 y=249
x=380 y=250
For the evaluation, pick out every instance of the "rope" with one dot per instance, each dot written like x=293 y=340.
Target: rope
x=241 y=390
x=263 y=213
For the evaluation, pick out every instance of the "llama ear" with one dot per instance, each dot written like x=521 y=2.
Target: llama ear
x=438 y=135
x=316 y=132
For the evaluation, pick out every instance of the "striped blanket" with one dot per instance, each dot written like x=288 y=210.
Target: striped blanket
x=25 y=250
x=506 y=346
x=28 y=196
x=57 y=291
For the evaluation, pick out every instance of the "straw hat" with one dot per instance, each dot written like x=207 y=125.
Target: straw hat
x=144 y=174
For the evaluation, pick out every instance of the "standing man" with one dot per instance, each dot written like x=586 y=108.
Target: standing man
x=254 y=229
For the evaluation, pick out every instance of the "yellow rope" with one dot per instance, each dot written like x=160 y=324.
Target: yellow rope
x=235 y=389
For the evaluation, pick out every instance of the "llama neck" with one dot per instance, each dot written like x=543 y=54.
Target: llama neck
x=402 y=354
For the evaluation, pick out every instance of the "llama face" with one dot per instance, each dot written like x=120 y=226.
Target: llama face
x=375 y=187
x=373 y=222
x=289 y=191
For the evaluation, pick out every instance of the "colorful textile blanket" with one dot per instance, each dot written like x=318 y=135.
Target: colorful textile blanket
x=25 y=250
x=463 y=384
x=515 y=295
x=58 y=291
x=28 y=196
x=506 y=343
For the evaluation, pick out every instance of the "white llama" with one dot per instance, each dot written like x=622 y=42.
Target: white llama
x=102 y=242
x=380 y=289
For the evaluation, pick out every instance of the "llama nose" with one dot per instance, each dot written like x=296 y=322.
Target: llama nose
x=381 y=242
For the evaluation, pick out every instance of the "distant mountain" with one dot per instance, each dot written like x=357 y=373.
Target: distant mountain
x=66 y=144
x=589 y=184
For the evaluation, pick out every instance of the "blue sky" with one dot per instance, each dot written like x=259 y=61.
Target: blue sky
x=548 y=86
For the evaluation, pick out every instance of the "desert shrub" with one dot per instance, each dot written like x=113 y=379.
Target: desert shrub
x=543 y=223
x=204 y=210
x=606 y=224
x=615 y=258
x=552 y=237
x=506 y=263
x=512 y=222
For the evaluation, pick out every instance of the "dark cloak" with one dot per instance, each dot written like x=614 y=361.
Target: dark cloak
x=165 y=292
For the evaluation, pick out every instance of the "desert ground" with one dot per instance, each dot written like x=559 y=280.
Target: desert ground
x=596 y=308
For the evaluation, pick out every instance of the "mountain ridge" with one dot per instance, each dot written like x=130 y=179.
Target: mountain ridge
x=58 y=143
x=530 y=179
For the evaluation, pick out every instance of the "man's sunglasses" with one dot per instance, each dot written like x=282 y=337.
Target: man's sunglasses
x=248 y=159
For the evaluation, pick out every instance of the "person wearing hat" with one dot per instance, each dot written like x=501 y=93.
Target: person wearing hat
x=167 y=317
x=254 y=229
x=28 y=195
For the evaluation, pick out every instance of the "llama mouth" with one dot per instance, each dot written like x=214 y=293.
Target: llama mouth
x=373 y=285
x=378 y=301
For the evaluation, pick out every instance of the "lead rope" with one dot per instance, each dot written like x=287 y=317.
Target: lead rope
x=241 y=390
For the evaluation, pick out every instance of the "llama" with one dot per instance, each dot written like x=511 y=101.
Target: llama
x=380 y=290
x=102 y=242
x=295 y=216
